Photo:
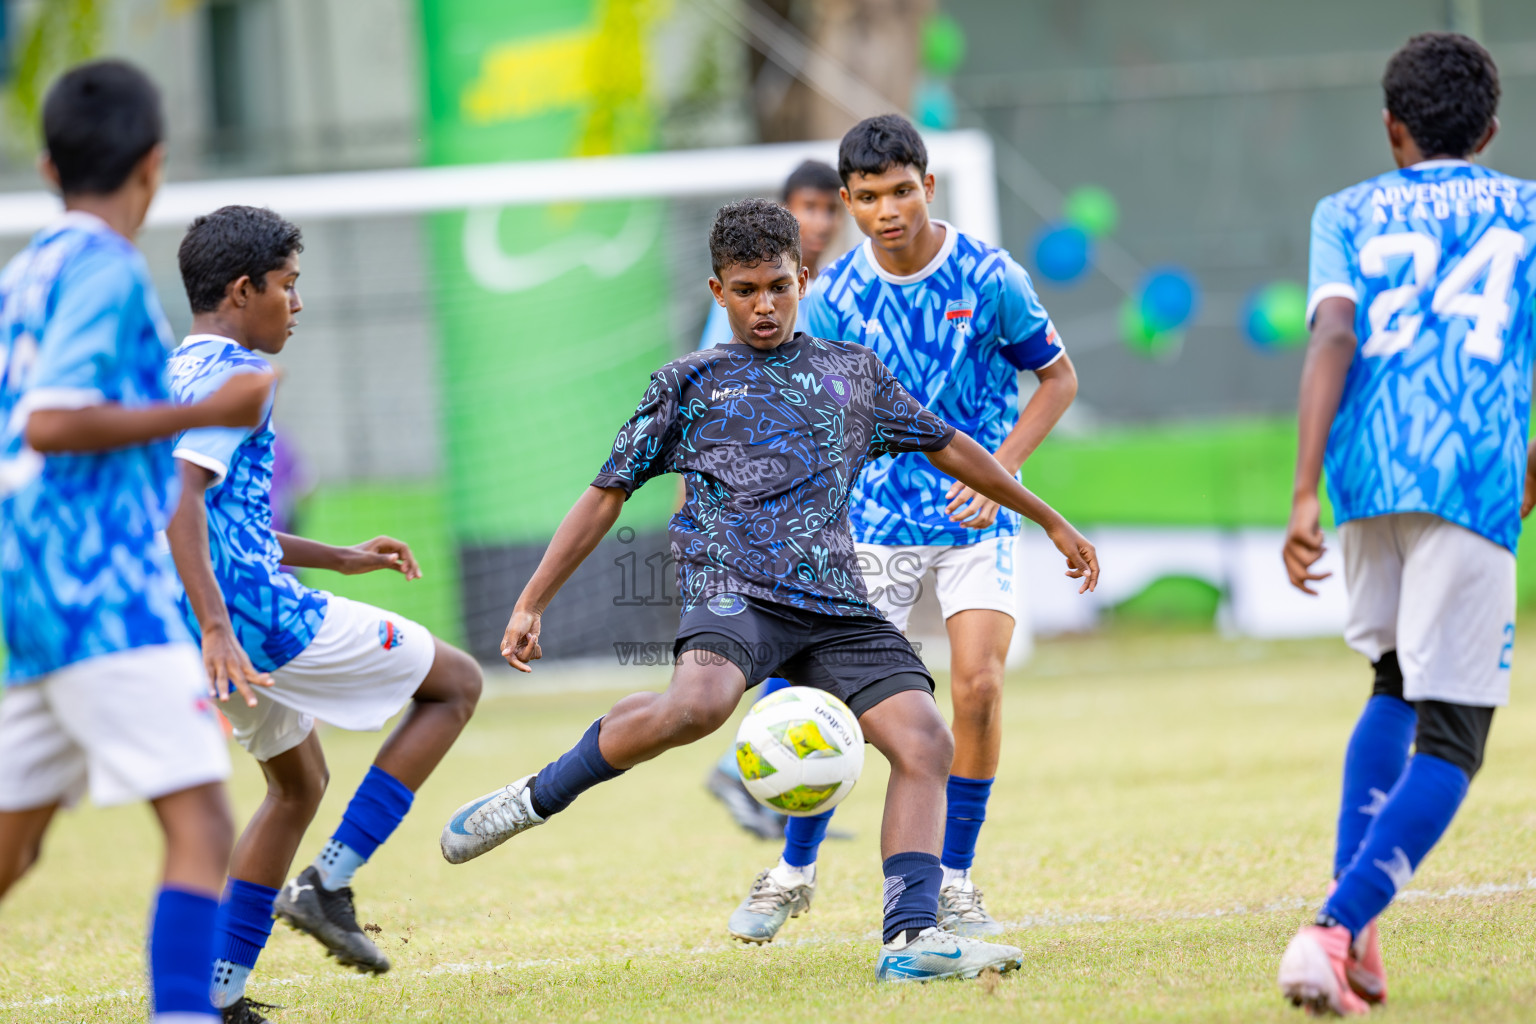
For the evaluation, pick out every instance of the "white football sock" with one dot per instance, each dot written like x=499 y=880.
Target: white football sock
x=788 y=875
x=954 y=875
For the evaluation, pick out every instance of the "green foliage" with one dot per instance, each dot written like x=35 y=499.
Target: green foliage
x=60 y=33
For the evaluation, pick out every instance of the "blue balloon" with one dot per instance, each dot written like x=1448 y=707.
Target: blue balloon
x=1168 y=298
x=934 y=104
x=1061 y=253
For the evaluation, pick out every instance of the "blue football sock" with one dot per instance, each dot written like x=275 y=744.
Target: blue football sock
x=1373 y=762
x=572 y=774
x=240 y=933
x=967 y=810
x=911 y=893
x=802 y=838
x=376 y=810
x=773 y=684
x=180 y=950
x=1415 y=816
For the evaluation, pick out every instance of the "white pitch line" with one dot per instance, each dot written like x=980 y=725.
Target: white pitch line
x=1051 y=919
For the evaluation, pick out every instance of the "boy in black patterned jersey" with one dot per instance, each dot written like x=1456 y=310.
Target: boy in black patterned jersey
x=769 y=433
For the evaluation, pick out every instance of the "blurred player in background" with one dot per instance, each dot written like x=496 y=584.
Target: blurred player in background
x=770 y=432
x=105 y=687
x=956 y=320
x=344 y=662
x=811 y=194
x=1415 y=396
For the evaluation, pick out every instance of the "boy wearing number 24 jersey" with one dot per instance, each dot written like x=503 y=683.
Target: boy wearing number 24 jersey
x=1416 y=396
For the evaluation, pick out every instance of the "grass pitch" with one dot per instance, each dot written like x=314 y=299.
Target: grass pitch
x=1161 y=825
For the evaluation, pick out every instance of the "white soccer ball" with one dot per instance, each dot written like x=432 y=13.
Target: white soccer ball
x=800 y=751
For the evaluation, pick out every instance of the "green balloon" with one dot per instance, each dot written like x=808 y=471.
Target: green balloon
x=1283 y=305
x=1092 y=209
x=1139 y=335
x=943 y=44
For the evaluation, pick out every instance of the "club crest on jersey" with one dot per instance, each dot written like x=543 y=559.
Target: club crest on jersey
x=390 y=636
x=838 y=387
x=727 y=604
x=959 y=313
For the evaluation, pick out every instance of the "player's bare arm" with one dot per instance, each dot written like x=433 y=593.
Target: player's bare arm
x=1528 y=502
x=587 y=523
x=1058 y=387
x=224 y=659
x=350 y=560
x=239 y=403
x=1329 y=355
x=973 y=465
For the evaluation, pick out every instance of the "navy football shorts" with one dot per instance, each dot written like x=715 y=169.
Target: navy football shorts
x=859 y=659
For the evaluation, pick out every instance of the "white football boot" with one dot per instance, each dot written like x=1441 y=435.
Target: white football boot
x=935 y=954
x=484 y=824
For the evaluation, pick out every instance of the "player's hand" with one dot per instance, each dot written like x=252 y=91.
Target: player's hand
x=520 y=643
x=381 y=553
x=1529 y=501
x=241 y=401
x=1082 y=559
x=229 y=669
x=1304 y=543
x=970 y=509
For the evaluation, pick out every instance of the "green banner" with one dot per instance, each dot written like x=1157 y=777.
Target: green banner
x=551 y=317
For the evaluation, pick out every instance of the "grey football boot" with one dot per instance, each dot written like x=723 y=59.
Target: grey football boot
x=768 y=905
x=933 y=954
x=962 y=912
x=488 y=821
x=331 y=918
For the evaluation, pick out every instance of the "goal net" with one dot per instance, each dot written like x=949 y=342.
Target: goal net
x=472 y=338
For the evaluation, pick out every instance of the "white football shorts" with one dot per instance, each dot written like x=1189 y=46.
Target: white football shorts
x=1440 y=595
x=966 y=576
x=134 y=725
x=360 y=669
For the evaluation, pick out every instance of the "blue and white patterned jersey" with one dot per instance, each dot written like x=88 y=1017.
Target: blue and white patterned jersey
x=82 y=572
x=956 y=334
x=273 y=614
x=1440 y=261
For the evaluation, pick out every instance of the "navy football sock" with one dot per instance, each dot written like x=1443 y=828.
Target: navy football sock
x=1373 y=762
x=376 y=810
x=802 y=838
x=911 y=893
x=1415 y=816
x=967 y=803
x=241 y=930
x=180 y=952
x=572 y=774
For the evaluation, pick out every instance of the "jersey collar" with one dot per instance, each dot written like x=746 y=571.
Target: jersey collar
x=1429 y=165
x=194 y=339
x=947 y=247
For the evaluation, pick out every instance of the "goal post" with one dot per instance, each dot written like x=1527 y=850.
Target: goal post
x=472 y=338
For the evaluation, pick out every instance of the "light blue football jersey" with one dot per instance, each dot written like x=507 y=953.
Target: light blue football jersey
x=273 y=614
x=955 y=334
x=1440 y=261
x=83 y=572
x=717 y=327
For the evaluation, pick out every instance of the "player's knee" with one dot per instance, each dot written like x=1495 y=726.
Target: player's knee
x=1457 y=733
x=926 y=748
x=301 y=794
x=465 y=682
x=978 y=695
x=695 y=714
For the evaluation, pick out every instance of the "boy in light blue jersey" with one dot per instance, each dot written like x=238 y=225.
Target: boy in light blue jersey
x=1415 y=396
x=956 y=321
x=341 y=661
x=103 y=686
